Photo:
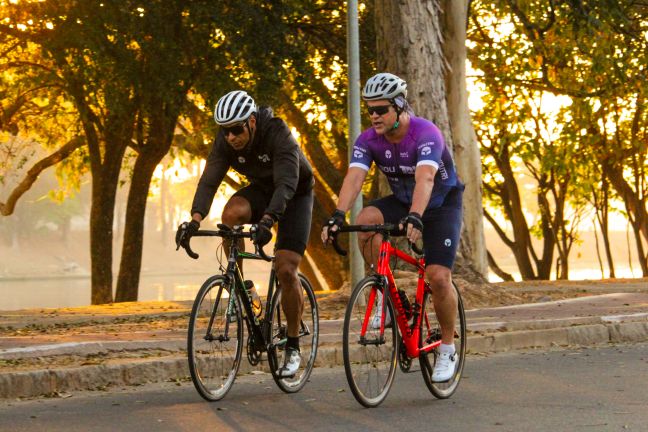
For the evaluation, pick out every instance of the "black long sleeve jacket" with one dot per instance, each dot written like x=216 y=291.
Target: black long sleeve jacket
x=273 y=160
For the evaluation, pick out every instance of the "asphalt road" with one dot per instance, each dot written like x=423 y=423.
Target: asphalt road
x=589 y=389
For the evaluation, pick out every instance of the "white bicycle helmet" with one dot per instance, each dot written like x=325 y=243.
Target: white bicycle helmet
x=384 y=86
x=235 y=107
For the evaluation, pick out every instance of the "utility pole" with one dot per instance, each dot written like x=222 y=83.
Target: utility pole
x=353 y=54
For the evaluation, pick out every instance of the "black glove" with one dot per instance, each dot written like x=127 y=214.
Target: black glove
x=336 y=220
x=264 y=235
x=413 y=219
x=185 y=231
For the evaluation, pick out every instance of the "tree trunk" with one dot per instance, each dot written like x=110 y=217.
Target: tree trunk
x=131 y=258
x=602 y=212
x=635 y=207
x=466 y=150
x=409 y=44
x=101 y=236
x=522 y=244
x=105 y=177
x=106 y=154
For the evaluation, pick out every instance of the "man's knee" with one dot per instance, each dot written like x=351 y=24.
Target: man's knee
x=369 y=215
x=237 y=211
x=286 y=264
x=440 y=279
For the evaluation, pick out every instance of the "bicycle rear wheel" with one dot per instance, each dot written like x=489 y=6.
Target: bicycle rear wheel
x=369 y=361
x=431 y=331
x=308 y=338
x=215 y=339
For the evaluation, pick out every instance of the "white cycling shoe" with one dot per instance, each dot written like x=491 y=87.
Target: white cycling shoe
x=375 y=321
x=292 y=360
x=446 y=363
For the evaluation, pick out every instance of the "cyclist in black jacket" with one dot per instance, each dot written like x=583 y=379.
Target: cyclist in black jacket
x=262 y=148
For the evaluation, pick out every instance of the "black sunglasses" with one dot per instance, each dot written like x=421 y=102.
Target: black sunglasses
x=379 y=109
x=234 y=130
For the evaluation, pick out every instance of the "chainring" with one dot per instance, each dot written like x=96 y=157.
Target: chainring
x=253 y=354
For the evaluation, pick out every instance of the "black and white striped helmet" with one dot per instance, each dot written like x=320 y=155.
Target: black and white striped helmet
x=384 y=86
x=235 y=107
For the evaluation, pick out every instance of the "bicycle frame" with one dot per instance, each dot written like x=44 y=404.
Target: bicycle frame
x=234 y=278
x=233 y=273
x=410 y=334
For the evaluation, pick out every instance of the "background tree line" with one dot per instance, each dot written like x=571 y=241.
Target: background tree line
x=110 y=89
x=591 y=153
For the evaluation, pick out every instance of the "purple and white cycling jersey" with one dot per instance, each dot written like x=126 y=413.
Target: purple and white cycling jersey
x=423 y=145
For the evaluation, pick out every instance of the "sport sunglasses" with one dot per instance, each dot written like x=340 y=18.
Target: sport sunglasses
x=234 y=130
x=379 y=109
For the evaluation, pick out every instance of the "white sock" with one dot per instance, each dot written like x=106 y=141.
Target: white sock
x=450 y=349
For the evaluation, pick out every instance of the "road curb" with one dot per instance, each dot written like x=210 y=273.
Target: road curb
x=88 y=348
x=143 y=371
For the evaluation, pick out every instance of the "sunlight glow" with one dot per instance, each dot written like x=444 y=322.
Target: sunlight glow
x=176 y=173
x=217 y=38
x=328 y=82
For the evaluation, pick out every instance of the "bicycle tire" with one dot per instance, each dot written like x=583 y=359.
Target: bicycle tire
x=308 y=338
x=370 y=367
x=213 y=364
x=443 y=390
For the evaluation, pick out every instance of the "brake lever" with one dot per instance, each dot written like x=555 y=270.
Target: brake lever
x=187 y=246
x=254 y=229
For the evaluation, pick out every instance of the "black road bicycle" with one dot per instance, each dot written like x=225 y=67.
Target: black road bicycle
x=223 y=304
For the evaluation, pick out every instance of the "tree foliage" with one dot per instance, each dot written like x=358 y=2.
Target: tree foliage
x=137 y=73
x=591 y=53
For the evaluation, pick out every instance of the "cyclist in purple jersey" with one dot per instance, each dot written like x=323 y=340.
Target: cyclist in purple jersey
x=422 y=145
x=426 y=199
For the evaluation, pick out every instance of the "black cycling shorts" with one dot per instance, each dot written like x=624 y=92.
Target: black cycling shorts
x=294 y=225
x=441 y=225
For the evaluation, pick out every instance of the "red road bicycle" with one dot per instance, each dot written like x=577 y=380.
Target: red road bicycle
x=372 y=351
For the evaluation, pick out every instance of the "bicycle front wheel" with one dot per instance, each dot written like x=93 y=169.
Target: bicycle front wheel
x=369 y=359
x=215 y=338
x=308 y=338
x=431 y=331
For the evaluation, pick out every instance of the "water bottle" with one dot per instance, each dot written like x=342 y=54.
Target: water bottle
x=407 y=306
x=257 y=306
